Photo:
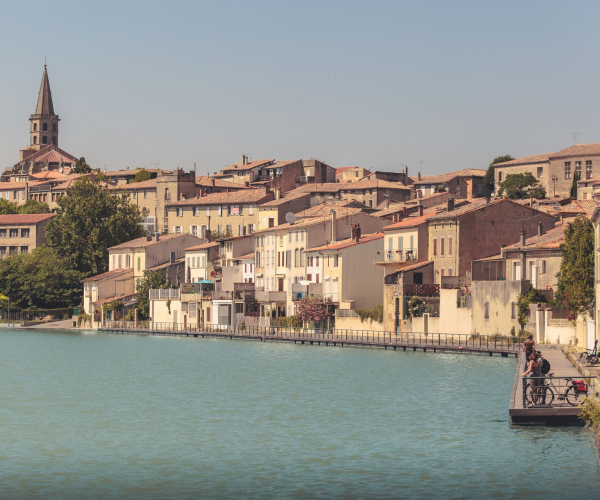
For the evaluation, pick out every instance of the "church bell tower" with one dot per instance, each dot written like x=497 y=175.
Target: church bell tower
x=44 y=122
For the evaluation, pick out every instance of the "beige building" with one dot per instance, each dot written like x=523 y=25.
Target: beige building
x=235 y=212
x=280 y=252
x=555 y=171
x=200 y=262
x=350 y=174
x=466 y=183
x=349 y=281
x=21 y=233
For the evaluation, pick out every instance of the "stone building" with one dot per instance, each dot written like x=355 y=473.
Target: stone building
x=21 y=233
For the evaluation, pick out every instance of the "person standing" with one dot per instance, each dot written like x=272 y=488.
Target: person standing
x=534 y=382
x=529 y=348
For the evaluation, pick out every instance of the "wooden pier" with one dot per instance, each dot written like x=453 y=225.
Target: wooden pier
x=544 y=415
x=448 y=343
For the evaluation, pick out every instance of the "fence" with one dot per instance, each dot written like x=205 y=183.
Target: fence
x=446 y=340
x=552 y=392
x=164 y=293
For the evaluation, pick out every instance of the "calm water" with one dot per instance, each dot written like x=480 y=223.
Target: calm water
x=91 y=415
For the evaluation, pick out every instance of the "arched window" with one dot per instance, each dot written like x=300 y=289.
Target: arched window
x=44 y=140
x=54 y=127
x=296 y=258
x=44 y=127
x=35 y=127
x=35 y=140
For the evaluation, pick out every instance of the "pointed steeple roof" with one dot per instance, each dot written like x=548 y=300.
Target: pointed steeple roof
x=44 y=104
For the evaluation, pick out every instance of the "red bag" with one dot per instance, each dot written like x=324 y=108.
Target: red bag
x=580 y=386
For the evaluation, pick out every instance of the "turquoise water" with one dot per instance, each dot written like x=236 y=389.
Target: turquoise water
x=99 y=416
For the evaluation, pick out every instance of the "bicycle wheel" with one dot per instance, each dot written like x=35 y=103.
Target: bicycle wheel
x=546 y=395
x=573 y=396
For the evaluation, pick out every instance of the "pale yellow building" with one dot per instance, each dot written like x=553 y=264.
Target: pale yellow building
x=21 y=233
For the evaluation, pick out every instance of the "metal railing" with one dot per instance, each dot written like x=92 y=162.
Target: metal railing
x=396 y=256
x=552 y=392
x=164 y=293
x=446 y=340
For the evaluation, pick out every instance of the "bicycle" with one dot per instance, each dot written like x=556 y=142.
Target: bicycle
x=544 y=394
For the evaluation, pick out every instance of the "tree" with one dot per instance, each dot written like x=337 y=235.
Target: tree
x=81 y=167
x=576 y=278
x=40 y=279
x=214 y=236
x=89 y=220
x=34 y=207
x=533 y=295
x=576 y=178
x=312 y=309
x=8 y=207
x=142 y=175
x=151 y=279
x=519 y=186
x=488 y=179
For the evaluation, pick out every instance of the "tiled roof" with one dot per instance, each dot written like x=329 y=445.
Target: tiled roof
x=167 y=264
x=371 y=184
x=13 y=219
x=409 y=266
x=290 y=196
x=49 y=174
x=143 y=241
x=204 y=181
x=549 y=240
x=243 y=196
x=348 y=242
x=576 y=207
x=108 y=274
x=578 y=150
x=53 y=157
x=6 y=186
x=245 y=257
x=342 y=209
x=543 y=158
x=341 y=169
x=149 y=184
x=204 y=246
x=252 y=164
x=476 y=205
x=114 y=297
x=409 y=222
x=439 y=179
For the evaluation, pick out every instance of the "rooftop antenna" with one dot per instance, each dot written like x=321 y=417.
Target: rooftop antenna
x=575 y=135
x=420 y=164
x=194 y=169
x=156 y=164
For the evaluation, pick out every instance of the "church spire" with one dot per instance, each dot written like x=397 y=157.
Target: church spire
x=44 y=104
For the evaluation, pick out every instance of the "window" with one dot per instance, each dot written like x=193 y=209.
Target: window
x=54 y=128
x=435 y=247
x=302 y=262
x=44 y=140
x=296 y=258
x=14 y=233
x=435 y=227
x=35 y=140
x=196 y=211
x=335 y=260
x=588 y=169
x=442 y=246
x=35 y=127
x=578 y=168
x=145 y=194
x=44 y=127
x=450 y=246
x=178 y=230
x=499 y=176
x=281 y=240
x=449 y=271
x=542 y=267
x=400 y=243
x=567 y=170
x=24 y=233
x=24 y=249
x=486 y=310
x=317 y=259
x=540 y=172
x=120 y=261
x=180 y=212
x=128 y=261
x=54 y=141
x=220 y=211
x=390 y=244
x=296 y=235
x=316 y=278
x=513 y=310
x=301 y=235
x=2 y=233
x=251 y=210
x=134 y=194
x=139 y=263
x=194 y=230
x=290 y=237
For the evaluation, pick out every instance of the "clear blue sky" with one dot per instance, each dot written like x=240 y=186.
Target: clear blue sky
x=375 y=84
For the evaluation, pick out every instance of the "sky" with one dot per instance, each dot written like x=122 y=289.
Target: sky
x=434 y=85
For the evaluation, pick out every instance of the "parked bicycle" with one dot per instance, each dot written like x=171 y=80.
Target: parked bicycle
x=544 y=394
x=590 y=355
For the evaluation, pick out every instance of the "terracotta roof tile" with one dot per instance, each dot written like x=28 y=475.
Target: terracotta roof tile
x=14 y=219
x=348 y=242
x=549 y=240
x=543 y=158
x=143 y=241
x=204 y=181
x=108 y=274
x=409 y=266
x=243 y=196
x=591 y=149
x=438 y=179
x=149 y=184
x=204 y=246
x=253 y=164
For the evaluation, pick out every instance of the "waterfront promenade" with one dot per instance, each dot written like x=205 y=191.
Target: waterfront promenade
x=438 y=342
x=563 y=411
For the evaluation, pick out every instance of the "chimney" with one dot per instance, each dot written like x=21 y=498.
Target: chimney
x=156 y=237
x=405 y=172
x=148 y=237
x=277 y=193
x=212 y=182
x=522 y=235
x=540 y=229
x=450 y=204
x=357 y=233
x=420 y=210
x=419 y=176
x=207 y=234
x=244 y=160
x=333 y=228
x=404 y=212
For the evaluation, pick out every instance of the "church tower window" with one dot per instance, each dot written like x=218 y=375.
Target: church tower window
x=34 y=139
x=44 y=127
x=54 y=141
x=44 y=140
x=35 y=127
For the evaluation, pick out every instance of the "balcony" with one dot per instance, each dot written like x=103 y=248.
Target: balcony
x=164 y=293
x=305 y=179
x=396 y=256
x=421 y=290
x=300 y=292
x=197 y=297
x=331 y=298
x=455 y=282
x=263 y=296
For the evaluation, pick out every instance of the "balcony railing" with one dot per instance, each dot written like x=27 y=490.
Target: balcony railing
x=164 y=293
x=272 y=296
x=305 y=179
x=396 y=256
x=450 y=282
x=422 y=290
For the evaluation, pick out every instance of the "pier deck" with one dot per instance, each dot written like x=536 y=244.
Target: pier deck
x=543 y=415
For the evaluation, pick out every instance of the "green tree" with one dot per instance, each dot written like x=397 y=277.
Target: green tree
x=533 y=295
x=8 y=207
x=576 y=278
x=488 y=179
x=34 y=207
x=519 y=186
x=89 y=220
x=40 y=279
x=81 y=167
x=576 y=179
x=151 y=279
x=142 y=175
x=214 y=236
